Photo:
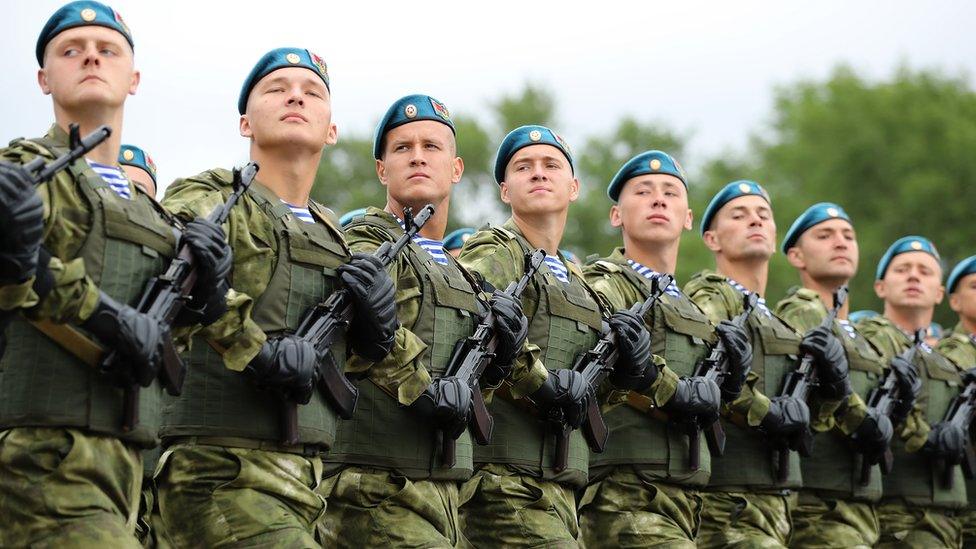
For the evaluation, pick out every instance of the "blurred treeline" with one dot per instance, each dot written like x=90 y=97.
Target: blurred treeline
x=899 y=155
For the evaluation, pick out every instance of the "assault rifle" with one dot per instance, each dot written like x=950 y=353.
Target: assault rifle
x=716 y=368
x=164 y=298
x=960 y=413
x=595 y=365
x=327 y=321
x=798 y=385
x=79 y=146
x=473 y=355
x=883 y=399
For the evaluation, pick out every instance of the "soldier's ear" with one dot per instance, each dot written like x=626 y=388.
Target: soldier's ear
x=615 y=220
x=381 y=171
x=795 y=257
x=574 y=190
x=955 y=303
x=879 y=289
x=711 y=241
x=245 y=127
x=42 y=81
x=503 y=193
x=689 y=220
x=940 y=294
x=458 y=169
x=134 y=83
x=333 y=136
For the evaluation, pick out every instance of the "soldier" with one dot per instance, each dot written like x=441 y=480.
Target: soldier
x=917 y=509
x=227 y=475
x=517 y=496
x=959 y=346
x=456 y=239
x=643 y=488
x=747 y=503
x=69 y=472
x=389 y=451
x=835 y=509
x=140 y=168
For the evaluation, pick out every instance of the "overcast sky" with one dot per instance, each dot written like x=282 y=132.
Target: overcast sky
x=705 y=68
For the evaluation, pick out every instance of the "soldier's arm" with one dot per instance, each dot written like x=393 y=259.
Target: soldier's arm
x=401 y=374
x=711 y=299
x=800 y=312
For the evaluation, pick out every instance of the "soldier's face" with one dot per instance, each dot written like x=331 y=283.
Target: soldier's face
x=539 y=180
x=827 y=250
x=88 y=67
x=743 y=229
x=913 y=280
x=963 y=299
x=142 y=178
x=420 y=163
x=652 y=208
x=289 y=108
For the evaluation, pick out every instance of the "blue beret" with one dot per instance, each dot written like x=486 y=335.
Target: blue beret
x=522 y=137
x=904 y=245
x=858 y=316
x=728 y=193
x=80 y=14
x=130 y=155
x=455 y=239
x=411 y=108
x=965 y=267
x=818 y=213
x=282 y=58
x=349 y=216
x=642 y=164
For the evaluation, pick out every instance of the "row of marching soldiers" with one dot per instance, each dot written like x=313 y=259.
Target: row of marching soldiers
x=229 y=367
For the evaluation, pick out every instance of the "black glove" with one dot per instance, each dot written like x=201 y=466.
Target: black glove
x=211 y=254
x=447 y=401
x=566 y=391
x=632 y=370
x=969 y=376
x=136 y=337
x=21 y=224
x=374 y=327
x=738 y=351
x=946 y=441
x=830 y=360
x=788 y=419
x=909 y=387
x=874 y=434
x=695 y=397
x=511 y=328
x=288 y=366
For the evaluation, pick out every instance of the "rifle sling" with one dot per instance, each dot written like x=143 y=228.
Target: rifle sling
x=73 y=341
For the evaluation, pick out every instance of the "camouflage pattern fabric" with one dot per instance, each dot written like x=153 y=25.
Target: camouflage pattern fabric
x=376 y=508
x=827 y=523
x=917 y=526
x=63 y=488
x=501 y=508
x=739 y=519
x=968 y=521
x=624 y=510
x=212 y=496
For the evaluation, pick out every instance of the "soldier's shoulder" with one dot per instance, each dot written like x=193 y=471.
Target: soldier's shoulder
x=958 y=348
x=216 y=179
x=800 y=300
x=489 y=238
x=707 y=281
x=22 y=149
x=601 y=266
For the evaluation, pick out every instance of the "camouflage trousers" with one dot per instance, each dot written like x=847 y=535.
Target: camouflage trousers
x=149 y=528
x=377 y=508
x=624 y=510
x=825 y=523
x=745 y=519
x=904 y=525
x=968 y=520
x=212 y=496
x=502 y=508
x=66 y=488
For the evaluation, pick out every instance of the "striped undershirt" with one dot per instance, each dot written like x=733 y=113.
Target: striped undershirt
x=301 y=213
x=558 y=269
x=760 y=303
x=651 y=274
x=115 y=178
x=433 y=247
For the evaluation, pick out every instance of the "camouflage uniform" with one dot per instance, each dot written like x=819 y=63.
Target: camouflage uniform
x=960 y=347
x=388 y=485
x=515 y=496
x=642 y=491
x=916 y=510
x=224 y=476
x=834 y=510
x=68 y=474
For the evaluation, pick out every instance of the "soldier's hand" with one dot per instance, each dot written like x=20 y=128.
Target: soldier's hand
x=448 y=401
x=21 y=224
x=373 y=294
x=969 y=376
x=632 y=370
x=830 y=360
x=511 y=328
x=909 y=387
x=211 y=254
x=566 y=391
x=288 y=365
x=788 y=418
x=137 y=337
x=695 y=398
x=946 y=441
x=738 y=350
x=874 y=434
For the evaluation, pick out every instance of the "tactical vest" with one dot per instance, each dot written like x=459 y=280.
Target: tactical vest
x=383 y=433
x=42 y=384
x=749 y=462
x=834 y=469
x=566 y=323
x=680 y=333
x=218 y=402
x=914 y=477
